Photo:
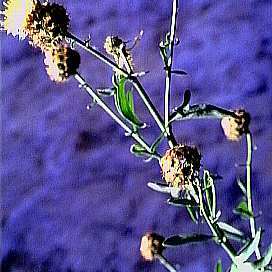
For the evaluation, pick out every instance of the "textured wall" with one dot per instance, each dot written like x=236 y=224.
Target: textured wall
x=73 y=197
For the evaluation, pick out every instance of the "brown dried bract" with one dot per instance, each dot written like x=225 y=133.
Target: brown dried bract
x=151 y=244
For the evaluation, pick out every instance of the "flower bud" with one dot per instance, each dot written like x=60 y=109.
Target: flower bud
x=180 y=165
x=151 y=244
x=61 y=62
x=235 y=127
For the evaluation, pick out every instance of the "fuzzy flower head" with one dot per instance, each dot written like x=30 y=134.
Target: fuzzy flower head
x=15 y=16
x=180 y=166
x=151 y=244
x=235 y=127
x=61 y=62
x=116 y=47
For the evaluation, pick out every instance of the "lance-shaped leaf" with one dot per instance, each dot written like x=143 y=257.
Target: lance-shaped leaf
x=193 y=213
x=249 y=249
x=242 y=187
x=179 y=240
x=264 y=261
x=210 y=193
x=125 y=105
x=242 y=210
x=218 y=267
x=231 y=232
x=159 y=187
x=140 y=151
x=106 y=91
x=182 y=202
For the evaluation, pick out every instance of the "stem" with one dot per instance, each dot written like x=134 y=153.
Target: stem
x=216 y=231
x=165 y=263
x=169 y=66
x=115 y=117
x=248 y=189
x=141 y=91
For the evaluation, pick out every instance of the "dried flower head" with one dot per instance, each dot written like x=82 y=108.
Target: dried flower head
x=47 y=25
x=15 y=16
x=116 y=47
x=61 y=62
x=235 y=127
x=180 y=165
x=151 y=244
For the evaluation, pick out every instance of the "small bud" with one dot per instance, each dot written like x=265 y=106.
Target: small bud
x=61 y=62
x=180 y=166
x=235 y=127
x=151 y=244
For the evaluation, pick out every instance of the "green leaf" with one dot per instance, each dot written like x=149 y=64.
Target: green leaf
x=264 y=261
x=182 y=202
x=179 y=240
x=218 y=267
x=242 y=210
x=193 y=213
x=125 y=105
x=242 y=187
x=140 y=151
x=157 y=142
x=250 y=248
x=230 y=229
x=210 y=193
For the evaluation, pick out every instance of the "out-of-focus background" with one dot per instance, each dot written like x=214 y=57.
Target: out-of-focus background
x=73 y=197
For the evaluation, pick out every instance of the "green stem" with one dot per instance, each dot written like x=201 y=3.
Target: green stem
x=249 y=191
x=165 y=263
x=216 y=231
x=141 y=91
x=115 y=117
x=169 y=67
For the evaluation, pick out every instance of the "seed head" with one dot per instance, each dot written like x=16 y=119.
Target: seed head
x=47 y=25
x=235 y=127
x=61 y=62
x=151 y=244
x=115 y=47
x=15 y=16
x=180 y=165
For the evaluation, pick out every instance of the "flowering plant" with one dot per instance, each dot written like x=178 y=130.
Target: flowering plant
x=185 y=181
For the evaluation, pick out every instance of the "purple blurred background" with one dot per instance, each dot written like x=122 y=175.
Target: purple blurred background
x=73 y=197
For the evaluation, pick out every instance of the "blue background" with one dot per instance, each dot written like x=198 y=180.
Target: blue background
x=73 y=197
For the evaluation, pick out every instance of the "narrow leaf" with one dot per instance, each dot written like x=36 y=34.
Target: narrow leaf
x=250 y=248
x=181 y=202
x=125 y=105
x=178 y=240
x=242 y=187
x=106 y=91
x=210 y=193
x=242 y=210
x=264 y=261
x=219 y=267
x=230 y=229
x=179 y=72
x=159 y=187
x=193 y=214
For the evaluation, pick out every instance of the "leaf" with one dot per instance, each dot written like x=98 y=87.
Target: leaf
x=242 y=187
x=218 y=267
x=250 y=248
x=210 y=193
x=264 y=261
x=159 y=187
x=157 y=142
x=125 y=105
x=179 y=72
x=243 y=267
x=242 y=210
x=178 y=240
x=140 y=151
x=193 y=214
x=106 y=91
x=230 y=229
x=182 y=202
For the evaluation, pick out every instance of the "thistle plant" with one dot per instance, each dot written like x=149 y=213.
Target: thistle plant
x=185 y=181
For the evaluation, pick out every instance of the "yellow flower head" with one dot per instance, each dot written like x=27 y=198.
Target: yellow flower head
x=15 y=15
x=61 y=62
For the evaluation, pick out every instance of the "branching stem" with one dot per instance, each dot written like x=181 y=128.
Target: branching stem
x=138 y=86
x=114 y=116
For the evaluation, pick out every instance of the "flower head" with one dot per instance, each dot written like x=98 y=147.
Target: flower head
x=151 y=244
x=116 y=47
x=47 y=25
x=16 y=14
x=61 y=62
x=235 y=127
x=180 y=165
